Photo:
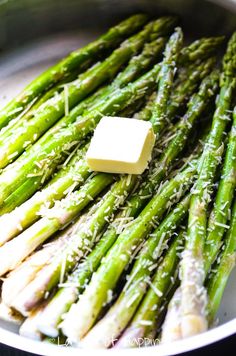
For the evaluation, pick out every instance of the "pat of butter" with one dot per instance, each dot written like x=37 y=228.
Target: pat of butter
x=121 y=145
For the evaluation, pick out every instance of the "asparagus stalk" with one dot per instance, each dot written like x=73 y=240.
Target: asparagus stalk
x=166 y=78
x=218 y=280
x=216 y=226
x=171 y=330
x=81 y=58
x=23 y=274
x=133 y=69
x=193 y=294
x=57 y=217
x=6 y=131
x=118 y=257
x=49 y=112
x=217 y=222
x=136 y=66
x=38 y=163
x=146 y=317
x=29 y=326
x=200 y=49
x=186 y=88
x=66 y=296
x=68 y=292
x=114 y=322
x=68 y=178
x=196 y=105
x=146 y=112
x=77 y=170
x=81 y=242
x=138 y=200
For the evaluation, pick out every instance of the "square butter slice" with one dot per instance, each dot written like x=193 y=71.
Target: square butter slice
x=121 y=145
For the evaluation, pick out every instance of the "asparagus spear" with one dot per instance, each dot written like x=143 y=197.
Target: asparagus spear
x=216 y=226
x=57 y=217
x=40 y=152
x=171 y=328
x=148 y=312
x=225 y=193
x=68 y=292
x=218 y=280
x=137 y=201
x=29 y=326
x=193 y=294
x=81 y=242
x=38 y=162
x=6 y=131
x=146 y=112
x=118 y=257
x=117 y=318
x=82 y=58
x=166 y=77
x=196 y=105
x=127 y=75
x=136 y=66
x=68 y=178
x=186 y=88
x=26 y=214
x=49 y=112
x=23 y=274
x=200 y=49
x=66 y=296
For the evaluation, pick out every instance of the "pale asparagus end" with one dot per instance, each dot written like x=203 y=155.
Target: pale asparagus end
x=9 y=315
x=48 y=325
x=76 y=331
x=100 y=336
x=193 y=295
x=20 y=277
x=192 y=325
x=29 y=328
x=21 y=303
x=130 y=338
x=171 y=330
x=16 y=250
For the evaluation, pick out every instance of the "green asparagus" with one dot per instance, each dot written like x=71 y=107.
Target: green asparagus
x=50 y=111
x=193 y=294
x=118 y=257
x=166 y=77
x=218 y=280
x=69 y=177
x=136 y=66
x=82 y=58
x=37 y=164
x=186 y=88
x=80 y=243
x=200 y=49
x=146 y=317
x=117 y=318
x=225 y=193
x=57 y=217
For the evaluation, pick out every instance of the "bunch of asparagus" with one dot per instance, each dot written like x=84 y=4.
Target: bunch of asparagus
x=101 y=260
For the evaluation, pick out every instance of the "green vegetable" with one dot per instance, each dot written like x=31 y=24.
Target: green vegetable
x=82 y=58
